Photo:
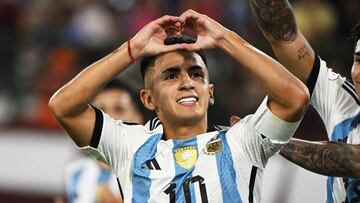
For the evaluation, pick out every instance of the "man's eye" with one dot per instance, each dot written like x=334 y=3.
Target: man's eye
x=198 y=74
x=170 y=77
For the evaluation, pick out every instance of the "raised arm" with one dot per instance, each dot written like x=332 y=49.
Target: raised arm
x=323 y=157
x=277 y=22
x=288 y=96
x=70 y=103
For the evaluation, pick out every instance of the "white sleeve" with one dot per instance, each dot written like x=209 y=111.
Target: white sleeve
x=332 y=95
x=114 y=142
x=261 y=135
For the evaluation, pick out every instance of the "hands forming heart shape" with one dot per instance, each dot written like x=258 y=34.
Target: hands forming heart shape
x=150 y=39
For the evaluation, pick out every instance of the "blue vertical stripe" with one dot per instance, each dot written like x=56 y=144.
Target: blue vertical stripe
x=340 y=133
x=74 y=184
x=181 y=174
x=342 y=129
x=353 y=189
x=226 y=172
x=141 y=182
x=330 y=183
x=104 y=176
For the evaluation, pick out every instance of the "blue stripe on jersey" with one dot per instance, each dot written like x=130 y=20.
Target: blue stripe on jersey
x=226 y=172
x=330 y=183
x=181 y=174
x=104 y=176
x=74 y=184
x=141 y=182
x=353 y=190
x=342 y=129
x=340 y=133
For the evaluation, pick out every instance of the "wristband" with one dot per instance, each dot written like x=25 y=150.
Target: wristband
x=132 y=60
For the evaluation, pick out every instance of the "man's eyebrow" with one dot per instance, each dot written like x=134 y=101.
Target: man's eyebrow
x=195 y=67
x=357 y=53
x=170 y=70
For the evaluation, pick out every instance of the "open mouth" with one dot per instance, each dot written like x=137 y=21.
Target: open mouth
x=187 y=100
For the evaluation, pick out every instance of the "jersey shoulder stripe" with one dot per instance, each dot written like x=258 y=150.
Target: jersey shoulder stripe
x=310 y=84
x=154 y=123
x=99 y=119
x=351 y=86
x=352 y=93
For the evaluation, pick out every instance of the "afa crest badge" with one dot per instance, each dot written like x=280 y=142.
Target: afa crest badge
x=186 y=157
x=213 y=146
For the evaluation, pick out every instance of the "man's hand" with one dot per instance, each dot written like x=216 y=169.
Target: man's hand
x=208 y=31
x=150 y=39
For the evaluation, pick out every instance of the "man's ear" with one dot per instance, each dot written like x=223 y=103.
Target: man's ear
x=146 y=99
x=211 y=92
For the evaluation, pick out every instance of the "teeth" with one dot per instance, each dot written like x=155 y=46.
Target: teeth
x=187 y=100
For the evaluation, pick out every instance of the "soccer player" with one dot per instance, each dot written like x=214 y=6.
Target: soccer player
x=182 y=162
x=88 y=180
x=335 y=99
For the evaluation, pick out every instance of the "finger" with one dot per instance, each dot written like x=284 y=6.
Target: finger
x=167 y=21
x=188 y=19
x=234 y=120
x=172 y=30
x=194 y=22
x=167 y=18
x=191 y=47
x=173 y=47
x=187 y=14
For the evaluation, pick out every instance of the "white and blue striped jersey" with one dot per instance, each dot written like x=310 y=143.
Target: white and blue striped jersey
x=218 y=166
x=336 y=101
x=83 y=179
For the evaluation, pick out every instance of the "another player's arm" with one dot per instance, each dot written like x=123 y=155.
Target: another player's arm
x=288 y=96
x=70 y=103
x=277 y=22
x=327 y=158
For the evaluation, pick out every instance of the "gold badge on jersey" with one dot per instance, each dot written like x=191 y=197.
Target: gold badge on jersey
x=186 y=156
x=213 y=146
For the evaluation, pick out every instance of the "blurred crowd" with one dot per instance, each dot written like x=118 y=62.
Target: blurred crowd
x=44 y=43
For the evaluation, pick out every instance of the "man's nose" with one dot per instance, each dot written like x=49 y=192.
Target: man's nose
x=186 y=82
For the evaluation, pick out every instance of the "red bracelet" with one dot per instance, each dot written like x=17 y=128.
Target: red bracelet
x=132 y=60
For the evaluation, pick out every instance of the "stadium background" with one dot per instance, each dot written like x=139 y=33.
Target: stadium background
x=44 y=43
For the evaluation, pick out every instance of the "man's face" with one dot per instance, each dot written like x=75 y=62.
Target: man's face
x=117 y=104
x=355 y=71
x=179 y=89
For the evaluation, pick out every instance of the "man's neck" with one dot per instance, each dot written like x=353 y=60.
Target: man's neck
x=178 y=131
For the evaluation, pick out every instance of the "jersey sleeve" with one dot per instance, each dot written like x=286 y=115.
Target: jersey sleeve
x=259 y=136
x=332 y=94
x=114 y=142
